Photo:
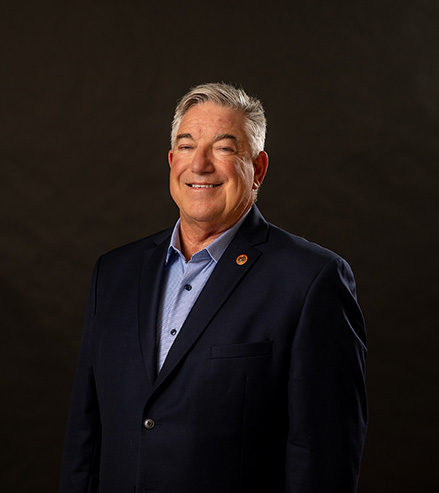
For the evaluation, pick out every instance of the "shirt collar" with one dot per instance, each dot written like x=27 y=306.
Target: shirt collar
x=214 y=249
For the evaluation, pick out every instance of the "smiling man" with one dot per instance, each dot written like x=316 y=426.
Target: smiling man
x=223 y=355
x=215 y=173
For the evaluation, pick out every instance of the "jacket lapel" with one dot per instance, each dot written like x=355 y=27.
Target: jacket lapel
x=223 y=280
x=149 y=299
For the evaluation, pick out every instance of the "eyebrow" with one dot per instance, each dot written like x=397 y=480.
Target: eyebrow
x=184 y=136
x=225 y=136
x=216 y=139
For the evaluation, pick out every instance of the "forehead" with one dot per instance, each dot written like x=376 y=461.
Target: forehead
x=210 y=118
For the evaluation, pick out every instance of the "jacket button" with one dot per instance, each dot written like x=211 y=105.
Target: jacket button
x=149 y=424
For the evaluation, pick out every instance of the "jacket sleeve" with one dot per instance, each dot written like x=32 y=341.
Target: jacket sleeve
x=326 y=395
x=80 y=464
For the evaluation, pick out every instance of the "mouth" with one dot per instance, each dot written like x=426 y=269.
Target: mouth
x=206 y=185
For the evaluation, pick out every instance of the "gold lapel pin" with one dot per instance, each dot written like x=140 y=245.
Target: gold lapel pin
x=242 y=259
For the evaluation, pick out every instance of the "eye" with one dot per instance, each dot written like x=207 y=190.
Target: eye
x=225 y=149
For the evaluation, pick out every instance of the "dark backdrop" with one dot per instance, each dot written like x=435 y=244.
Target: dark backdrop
x=351 y=95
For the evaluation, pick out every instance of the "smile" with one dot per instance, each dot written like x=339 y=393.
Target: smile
x=193 y=185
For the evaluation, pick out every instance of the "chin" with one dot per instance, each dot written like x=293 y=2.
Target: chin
x=203 y=215
x=203 y=218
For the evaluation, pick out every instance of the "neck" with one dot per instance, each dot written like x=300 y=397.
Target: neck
x=196 y=235
x=194 y=239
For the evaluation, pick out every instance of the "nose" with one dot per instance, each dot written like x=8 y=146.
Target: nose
x=202 y=162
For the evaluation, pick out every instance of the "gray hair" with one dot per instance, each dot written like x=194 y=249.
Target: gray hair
x=230 y=97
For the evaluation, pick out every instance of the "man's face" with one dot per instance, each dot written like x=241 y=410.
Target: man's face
x=213 y=177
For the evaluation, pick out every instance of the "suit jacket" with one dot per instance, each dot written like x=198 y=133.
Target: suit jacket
x=262 y=390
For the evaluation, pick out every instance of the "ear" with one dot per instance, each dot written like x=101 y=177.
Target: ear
x=170 y=156
x=260 y=165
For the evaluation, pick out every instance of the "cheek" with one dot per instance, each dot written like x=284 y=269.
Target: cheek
x=244 y=176
x=175 y=172
x=173 y=182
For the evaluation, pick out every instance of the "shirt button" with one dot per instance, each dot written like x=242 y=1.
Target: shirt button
x=188 y=287
x=149 y=424
x=173 y=332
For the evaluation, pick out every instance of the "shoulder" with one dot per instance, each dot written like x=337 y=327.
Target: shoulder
x=296 y=260
x=284 y=253
x=287 y=249
x=282 y=245
x=293 y=259
x=291 y=245
x=133 y=251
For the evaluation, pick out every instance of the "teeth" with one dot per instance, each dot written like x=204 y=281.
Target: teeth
x=202 y=186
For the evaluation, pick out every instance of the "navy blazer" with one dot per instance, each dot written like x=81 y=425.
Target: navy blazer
x=262 y=390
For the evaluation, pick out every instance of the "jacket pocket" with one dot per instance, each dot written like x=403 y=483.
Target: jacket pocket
x=263 y=348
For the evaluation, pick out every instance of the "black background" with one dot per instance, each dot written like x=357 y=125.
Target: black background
x=351 y=95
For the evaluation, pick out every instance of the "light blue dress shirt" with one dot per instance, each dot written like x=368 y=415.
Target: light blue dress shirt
x=183 y=282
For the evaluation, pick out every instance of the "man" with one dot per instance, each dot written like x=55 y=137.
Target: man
x=223 y=355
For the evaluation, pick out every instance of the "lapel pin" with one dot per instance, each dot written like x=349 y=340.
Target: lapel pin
x=242 y=259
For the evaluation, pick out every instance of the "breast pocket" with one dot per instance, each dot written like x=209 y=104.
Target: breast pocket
x=254 y=349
